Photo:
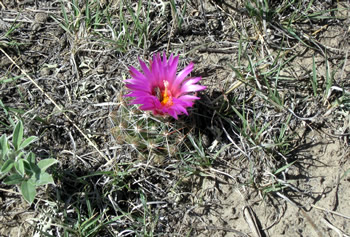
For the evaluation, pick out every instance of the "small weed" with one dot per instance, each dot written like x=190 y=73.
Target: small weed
x=19 y=167
x=178 y=15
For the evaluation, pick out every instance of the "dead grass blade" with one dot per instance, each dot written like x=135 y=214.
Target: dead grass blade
x=251 y=220
x=333 y=212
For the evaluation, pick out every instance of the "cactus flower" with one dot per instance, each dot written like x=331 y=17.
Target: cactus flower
x=160 y=89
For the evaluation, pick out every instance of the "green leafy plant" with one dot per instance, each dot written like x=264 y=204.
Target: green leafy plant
x=19 y=167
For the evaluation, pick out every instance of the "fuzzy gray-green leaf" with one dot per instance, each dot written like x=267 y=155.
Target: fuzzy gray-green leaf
x=19 y=165
x=44 y=178
x=13 y=179
x=17 y=135
x=28 y=191
x=3 y=146
x=7 y=166
x=44 y=164
x=27 y=141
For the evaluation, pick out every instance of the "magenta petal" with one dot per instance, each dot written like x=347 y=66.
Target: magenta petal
x=142 y=100
x=192 y=88
x=145 y=70
x=156 y=71
x=171 y=58
x=187 y=102
x=172 y=70
x=188 y=98
x=133 y=81
x=148 y=98
x=179 y=108
x=137 y=94
x=173 y=114
x=139 y=87
x=136 y=74
x=147 y=106
x=193 y=80
x=164 y=60
x=182 y=75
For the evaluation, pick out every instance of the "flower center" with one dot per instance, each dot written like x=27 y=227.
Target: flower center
x=164 y=96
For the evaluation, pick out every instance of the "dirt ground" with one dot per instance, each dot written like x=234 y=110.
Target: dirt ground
x=82 y=73
x=312 y=212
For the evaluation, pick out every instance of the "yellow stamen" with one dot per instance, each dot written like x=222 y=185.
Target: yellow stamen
x=167 y=99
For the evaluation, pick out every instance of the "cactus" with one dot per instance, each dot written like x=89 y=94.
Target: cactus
x=150 y=136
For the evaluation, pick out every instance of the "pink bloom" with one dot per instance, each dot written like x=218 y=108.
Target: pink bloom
x=160 y=90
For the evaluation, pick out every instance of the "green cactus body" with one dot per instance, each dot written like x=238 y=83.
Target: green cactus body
x=150 y=136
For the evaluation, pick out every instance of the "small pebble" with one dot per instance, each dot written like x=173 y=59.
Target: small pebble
x=40 y=17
